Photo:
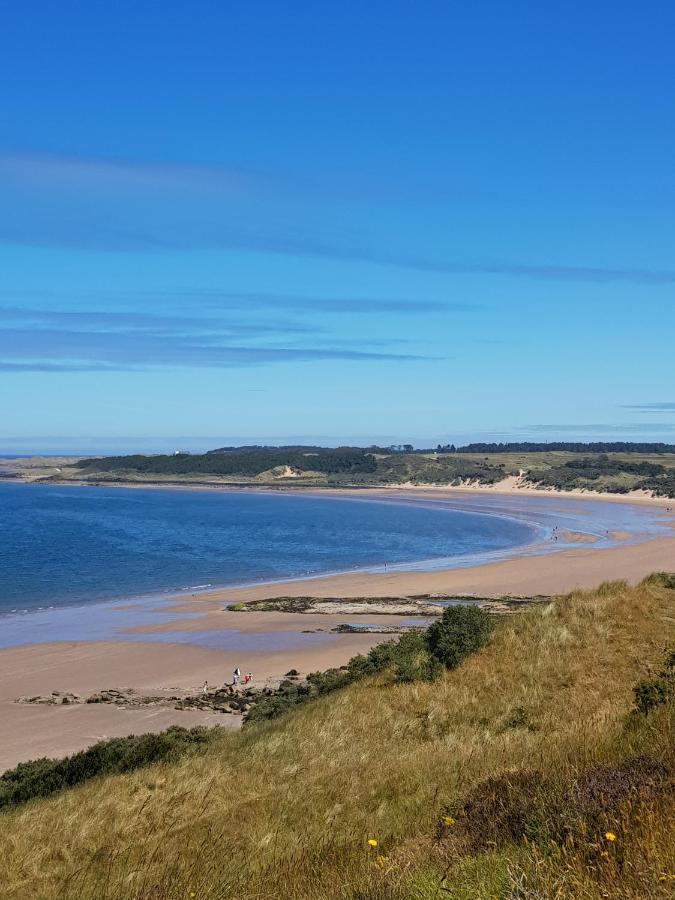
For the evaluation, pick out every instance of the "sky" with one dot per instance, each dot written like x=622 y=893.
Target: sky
x=292 y=222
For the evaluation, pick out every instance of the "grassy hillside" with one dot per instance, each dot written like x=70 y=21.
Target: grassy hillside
x=512 y=776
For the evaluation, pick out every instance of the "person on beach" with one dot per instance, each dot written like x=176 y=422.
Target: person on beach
x=248 y=678
x=236 y=675
x=205 y=687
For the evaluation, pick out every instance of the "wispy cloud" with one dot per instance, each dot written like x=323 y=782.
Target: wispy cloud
x=224 y=330
x=213 y=302
x=294 y=303
x=615 y=428
x=652 y=407
x=112 y=320
x=37 y=366
x=43 y=349
x=119 y=205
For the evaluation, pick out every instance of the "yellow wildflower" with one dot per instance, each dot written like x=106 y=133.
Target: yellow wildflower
x=448 y=821
x=610 y=836
x=380 y=860
x=605 y=854
x=372 y=842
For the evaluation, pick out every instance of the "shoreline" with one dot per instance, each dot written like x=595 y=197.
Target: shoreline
x=87 y=666
x=511 y=486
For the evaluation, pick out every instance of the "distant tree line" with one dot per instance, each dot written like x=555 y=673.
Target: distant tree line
x=570 y=446
x=249 y=462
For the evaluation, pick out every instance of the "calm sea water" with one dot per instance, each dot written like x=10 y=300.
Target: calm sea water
x=68 y=545
x=73 y=546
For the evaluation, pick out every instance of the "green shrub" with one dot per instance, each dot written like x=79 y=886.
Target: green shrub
x=330 y=680
x=461 y=631
x=504 y=809
x=42 y=777
x=412 y=660
x=288 y=696
x=652 y=692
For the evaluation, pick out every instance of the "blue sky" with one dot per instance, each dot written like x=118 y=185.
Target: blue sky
x=351 y=222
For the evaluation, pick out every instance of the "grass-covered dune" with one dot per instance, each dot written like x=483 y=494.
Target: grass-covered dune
x=527 y=772
x=636 y=467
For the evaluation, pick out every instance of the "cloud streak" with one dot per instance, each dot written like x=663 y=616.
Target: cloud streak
x=292 y=303
x=42 y=349
x=104 y=320
x=599 y=429
x=106 y=205
x=652 y=407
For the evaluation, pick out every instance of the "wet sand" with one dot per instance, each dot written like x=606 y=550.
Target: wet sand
x=86 y=666
x=32 y=731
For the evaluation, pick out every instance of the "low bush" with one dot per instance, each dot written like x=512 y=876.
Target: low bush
x=526 y=804
x=42 y=777
x=413 y=662
x=288 y=696
x=503 y=809
x=653 y=692
x=602 y=790
x=462 y=630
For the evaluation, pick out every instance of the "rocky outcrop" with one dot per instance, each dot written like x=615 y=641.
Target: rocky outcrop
x=226 y=700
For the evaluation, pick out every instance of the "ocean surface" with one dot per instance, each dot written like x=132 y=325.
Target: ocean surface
x=69 y=545
x=87 y=563
x=65 y=545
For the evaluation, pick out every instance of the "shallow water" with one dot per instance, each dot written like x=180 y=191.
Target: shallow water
x=116 y=621
x=67 y=549
x=63 y=545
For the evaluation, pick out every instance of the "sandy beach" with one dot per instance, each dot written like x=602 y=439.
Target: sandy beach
x=301 y=641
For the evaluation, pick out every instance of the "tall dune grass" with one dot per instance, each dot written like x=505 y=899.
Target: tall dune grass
x=286 y=809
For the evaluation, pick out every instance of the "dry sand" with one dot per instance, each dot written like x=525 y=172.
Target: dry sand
x=31 y=731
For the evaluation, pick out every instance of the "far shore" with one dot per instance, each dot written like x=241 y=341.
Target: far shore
x=86 y=667
x=510 y=486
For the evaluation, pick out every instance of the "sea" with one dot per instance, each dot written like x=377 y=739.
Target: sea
x=67 y=544
x=72 y=557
